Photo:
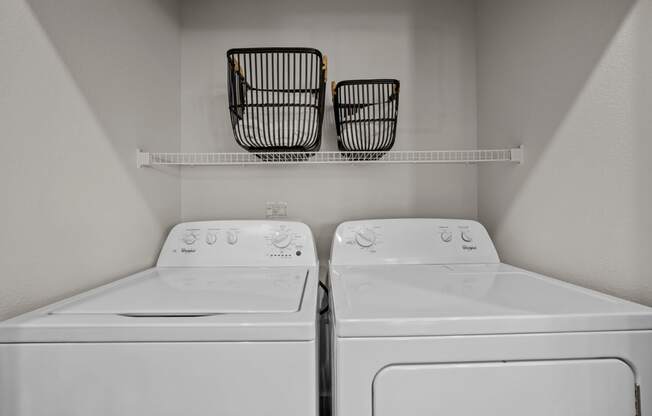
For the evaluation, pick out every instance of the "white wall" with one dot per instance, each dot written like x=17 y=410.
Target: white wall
x=83 y=84
x=428 y=45
x=572 y=80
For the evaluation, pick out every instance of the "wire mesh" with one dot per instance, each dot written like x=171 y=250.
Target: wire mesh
x=366 y=114
x=290 y=158
x=276 y=98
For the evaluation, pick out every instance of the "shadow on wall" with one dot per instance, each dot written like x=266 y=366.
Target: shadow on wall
x=116 y=55
x=84 y=83
x=539 y=80
x=568 y=79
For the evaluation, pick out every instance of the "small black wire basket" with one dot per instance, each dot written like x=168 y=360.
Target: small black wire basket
x=276 y=98
x=366 y=113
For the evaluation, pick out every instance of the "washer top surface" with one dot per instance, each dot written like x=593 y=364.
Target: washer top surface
x=214 y=281
x=198 y=292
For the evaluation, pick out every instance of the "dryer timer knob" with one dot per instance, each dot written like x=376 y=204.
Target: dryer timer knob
x=365 y=237
x=466 y=236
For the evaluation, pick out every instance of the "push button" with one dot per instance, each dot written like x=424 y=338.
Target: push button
x=211 y=238
x=231 y=237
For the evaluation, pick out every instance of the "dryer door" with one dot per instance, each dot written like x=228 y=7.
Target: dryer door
x=603 y=387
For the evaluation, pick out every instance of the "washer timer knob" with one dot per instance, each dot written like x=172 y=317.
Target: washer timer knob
x=466 y=236
x=365 y=237
x=446 y=236
x=281 y=239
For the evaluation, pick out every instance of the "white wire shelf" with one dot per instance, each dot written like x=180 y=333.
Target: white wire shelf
x=514 y=155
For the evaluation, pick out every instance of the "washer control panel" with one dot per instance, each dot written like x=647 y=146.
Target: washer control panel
x=238 y=243
x=412 y=241
x=286 y=242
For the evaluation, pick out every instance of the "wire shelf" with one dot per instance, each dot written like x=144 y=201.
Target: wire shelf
x=514 y=155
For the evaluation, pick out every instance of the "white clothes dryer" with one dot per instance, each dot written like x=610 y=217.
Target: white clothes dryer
x=427 y=321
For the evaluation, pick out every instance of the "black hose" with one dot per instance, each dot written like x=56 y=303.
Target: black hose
x=325 y=288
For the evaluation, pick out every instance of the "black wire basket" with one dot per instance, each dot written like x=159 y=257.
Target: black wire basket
x=276 y=98
x=366 y=113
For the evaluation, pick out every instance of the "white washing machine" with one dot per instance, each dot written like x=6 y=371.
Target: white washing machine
x=427 y=321
x=223 y=325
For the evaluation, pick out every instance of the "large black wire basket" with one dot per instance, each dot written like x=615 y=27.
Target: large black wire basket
x=276 y=98
x=366 y=113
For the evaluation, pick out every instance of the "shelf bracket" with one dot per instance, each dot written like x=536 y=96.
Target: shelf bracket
x=142 y=159
x=518 y=154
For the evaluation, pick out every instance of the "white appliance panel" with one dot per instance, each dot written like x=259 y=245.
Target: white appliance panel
x=158 y=379
x=535 y=388
x=238 y=243
x=433 y=291
x=199 y=291
x=412 y=241
x=403 y=300
x=359 y=360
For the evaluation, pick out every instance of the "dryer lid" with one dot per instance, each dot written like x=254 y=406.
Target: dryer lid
x=433 y=300
x=172 y=292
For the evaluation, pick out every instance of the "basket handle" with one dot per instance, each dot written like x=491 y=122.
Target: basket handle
x=395 y=92
x=237 y=68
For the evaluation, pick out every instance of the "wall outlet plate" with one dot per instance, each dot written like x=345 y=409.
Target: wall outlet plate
x=278 y=209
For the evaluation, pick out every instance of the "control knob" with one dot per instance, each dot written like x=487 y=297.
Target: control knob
x=365 y=237
x=446 y=236
x=231 y=237
x=281 y=239
x=211 y=238
x=189 y=238
x=466 y=236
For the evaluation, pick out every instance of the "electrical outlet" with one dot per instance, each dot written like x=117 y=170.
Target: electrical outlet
x=277 y=209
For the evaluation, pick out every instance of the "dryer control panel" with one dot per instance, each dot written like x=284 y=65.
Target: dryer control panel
x=412 y=241
x=238 y=243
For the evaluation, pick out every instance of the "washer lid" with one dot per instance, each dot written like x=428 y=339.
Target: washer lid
x=422 y=300
x=178 y=292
